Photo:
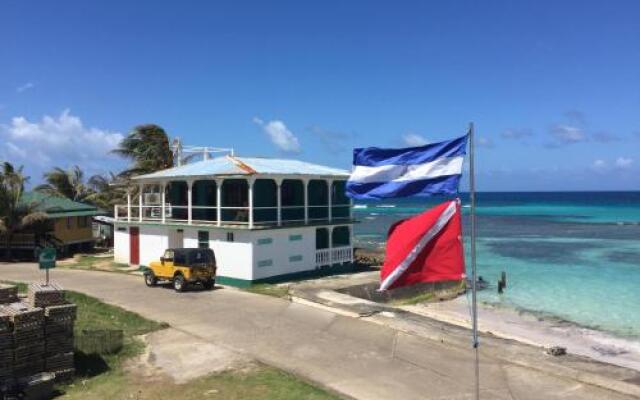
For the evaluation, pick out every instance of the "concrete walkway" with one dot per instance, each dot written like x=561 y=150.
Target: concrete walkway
x=352 y=357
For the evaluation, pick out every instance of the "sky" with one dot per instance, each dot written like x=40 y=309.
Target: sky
x=552 y=87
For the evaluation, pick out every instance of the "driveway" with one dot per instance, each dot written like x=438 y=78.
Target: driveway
x=352 y=357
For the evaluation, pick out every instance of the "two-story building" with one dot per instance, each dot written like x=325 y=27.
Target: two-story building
x=265 y=219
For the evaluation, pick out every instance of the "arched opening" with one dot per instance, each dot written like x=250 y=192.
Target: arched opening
x=318 y=192
x=341 y=236
x=265 y=201
x=292 y=191
x=176 y=200
x=340 y=203
x=235 y=200
x=204 y=201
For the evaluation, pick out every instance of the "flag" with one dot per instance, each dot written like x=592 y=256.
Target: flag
x=413 y=171
x=425 y=248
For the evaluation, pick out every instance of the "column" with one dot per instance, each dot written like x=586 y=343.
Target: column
x=250 y=203
x=140 y=202
x=279 y=200
x=305 y=184
x=219 y=202
x=128 y=205
x=189 y=201
x=163 y=202
x=330 y=200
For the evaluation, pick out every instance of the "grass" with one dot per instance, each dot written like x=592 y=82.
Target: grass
x=281 y=291
x=89 y=262
x=105 y=376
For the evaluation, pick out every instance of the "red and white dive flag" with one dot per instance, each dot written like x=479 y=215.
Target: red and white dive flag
x=425 y=248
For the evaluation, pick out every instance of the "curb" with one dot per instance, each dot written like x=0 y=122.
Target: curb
x=493 y=346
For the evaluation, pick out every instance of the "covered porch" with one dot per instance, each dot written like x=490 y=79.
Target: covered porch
x=238 y=201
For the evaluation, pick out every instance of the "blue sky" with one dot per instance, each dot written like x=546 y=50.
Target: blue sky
x=553 y=87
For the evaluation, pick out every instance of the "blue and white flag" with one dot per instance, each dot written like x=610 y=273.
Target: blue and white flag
x=413 y=171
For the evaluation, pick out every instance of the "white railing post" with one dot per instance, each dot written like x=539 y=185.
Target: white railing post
x=140 y=203
x=115 y=212
x=219 y=202
x=163 y=202
x=251 y=203
x=305 y=184
x=189 y=202
x=330 y=200
x=128 y=205
x=279 y=200
x=330 y=229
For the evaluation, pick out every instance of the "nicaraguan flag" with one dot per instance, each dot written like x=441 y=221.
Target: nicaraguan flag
x=414 y=171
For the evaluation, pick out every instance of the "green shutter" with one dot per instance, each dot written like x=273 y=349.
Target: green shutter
x=265 y=263
x=294 y=238
x=263 y=241
x=295 y=258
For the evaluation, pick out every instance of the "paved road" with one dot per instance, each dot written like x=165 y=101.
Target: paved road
x=353 y=357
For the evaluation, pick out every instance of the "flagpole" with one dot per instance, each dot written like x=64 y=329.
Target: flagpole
x=474 y=277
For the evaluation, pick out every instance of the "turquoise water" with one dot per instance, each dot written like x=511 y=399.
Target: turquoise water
x=573 y=256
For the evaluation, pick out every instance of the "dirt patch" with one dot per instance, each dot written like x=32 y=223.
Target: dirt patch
x=183 y=357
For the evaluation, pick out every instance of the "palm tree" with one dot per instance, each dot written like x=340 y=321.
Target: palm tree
x=66 y=183
x=15 y=214
x=107 y=191
x=149 y=149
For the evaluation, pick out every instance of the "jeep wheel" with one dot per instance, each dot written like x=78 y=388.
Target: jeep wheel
x=150 y=279
x=179 y=283
x=209 y=284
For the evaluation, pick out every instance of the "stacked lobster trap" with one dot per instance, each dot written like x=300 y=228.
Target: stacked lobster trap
x=36 y=339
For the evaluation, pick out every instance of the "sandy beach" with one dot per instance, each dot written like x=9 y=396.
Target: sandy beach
x=537 y=330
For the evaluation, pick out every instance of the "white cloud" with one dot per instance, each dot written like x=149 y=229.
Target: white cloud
x=280 y=135
x=516 y=134
x=57 y=141
x=568 y=134
x=25 y=87
x=624 y=162
x=599 y=165
x=413 y=139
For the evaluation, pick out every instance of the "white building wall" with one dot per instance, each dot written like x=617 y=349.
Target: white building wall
x=153 y=242
x=252 y=255
x=121 y=244
x=283 y=251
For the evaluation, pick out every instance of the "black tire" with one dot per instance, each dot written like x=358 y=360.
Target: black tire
x=209 y=284
x=179 y=283
x=150 y=279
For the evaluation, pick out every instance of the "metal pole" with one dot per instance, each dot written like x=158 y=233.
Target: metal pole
x=474 y=275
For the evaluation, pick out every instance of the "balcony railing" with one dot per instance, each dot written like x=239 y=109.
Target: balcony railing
x=336 y=255
x=233 y=216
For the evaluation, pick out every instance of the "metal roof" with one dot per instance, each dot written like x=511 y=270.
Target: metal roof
x=58 y=207
x=229 y=165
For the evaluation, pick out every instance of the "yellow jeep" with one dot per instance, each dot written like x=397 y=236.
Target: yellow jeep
x=183 y=267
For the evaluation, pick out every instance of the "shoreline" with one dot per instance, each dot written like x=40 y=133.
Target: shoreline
x=526 y=327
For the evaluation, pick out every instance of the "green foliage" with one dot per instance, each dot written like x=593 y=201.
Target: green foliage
x=147 y=146
x=14 y=213
x=269 y=290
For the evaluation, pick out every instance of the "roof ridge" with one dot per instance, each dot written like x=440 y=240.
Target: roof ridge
x=241 y=164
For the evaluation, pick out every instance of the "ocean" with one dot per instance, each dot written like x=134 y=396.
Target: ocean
x=572 y=256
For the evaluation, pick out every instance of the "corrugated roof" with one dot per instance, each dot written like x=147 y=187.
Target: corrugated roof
x=59 y=206
x=246 y=166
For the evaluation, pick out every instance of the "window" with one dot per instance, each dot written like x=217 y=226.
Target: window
x=203 y=239
x=180 y=258
x=295 y=258
x=83 y=222
x=295 y=238
x=263 y=241
x=69 y=222
x=229 y=236
x=265 y=263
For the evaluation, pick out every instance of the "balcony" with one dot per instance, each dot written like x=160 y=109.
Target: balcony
x=239 y=203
